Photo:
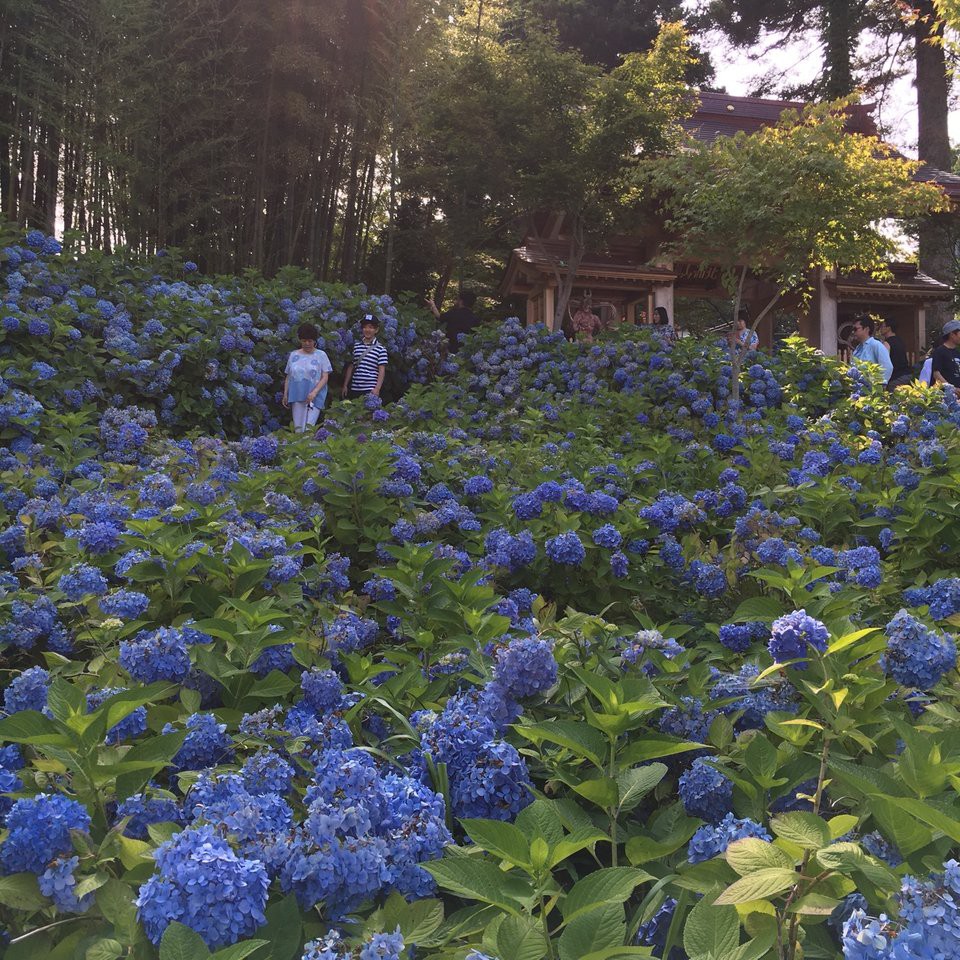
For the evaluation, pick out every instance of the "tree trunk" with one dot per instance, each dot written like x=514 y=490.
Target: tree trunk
x=933 y=147
x=839 y=32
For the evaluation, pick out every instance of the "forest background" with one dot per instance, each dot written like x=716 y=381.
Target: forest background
x=376 y=140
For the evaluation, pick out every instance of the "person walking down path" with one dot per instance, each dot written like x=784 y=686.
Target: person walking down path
x=869 y=349
x=459 y=320
x=945 y=366
x=305 y=386
x=902 y=371
x=364 y=376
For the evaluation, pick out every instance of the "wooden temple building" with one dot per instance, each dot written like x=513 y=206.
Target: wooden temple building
x=630 y=278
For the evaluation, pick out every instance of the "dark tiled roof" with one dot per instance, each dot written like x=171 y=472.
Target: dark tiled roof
x=722 y=115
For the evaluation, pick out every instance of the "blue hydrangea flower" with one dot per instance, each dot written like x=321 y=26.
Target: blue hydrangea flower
x=322 y=689
x=526 y=667
x=566 y=549
x=203 y=884
x=705 y=791
x=712 y=840
x=917 y=657
x=793 y=634
x=58 y=882
x=125 y=604
x=82 y=581
x=39 y=830
x=27 y=691
x=156 y=655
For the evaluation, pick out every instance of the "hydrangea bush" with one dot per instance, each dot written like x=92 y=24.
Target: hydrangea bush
x=560 y=656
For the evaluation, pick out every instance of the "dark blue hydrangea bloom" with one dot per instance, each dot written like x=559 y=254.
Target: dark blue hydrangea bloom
x=82 y=581
x=566 y=549
x=712 y=840
x=706 y=792
x=156 y=655
x=738 y=636
x=476 y=486
x=917 y=657
x=203 y=884
x=607 y=536
x=144 y=810
x=39 y=830
x=207 y=743
x=125 y=604
x=878 y=846
x=58 y=882
x=793 y=634
x=322 y=689
x=943 y=598
x=279 y=657
x=495 y=786
x=267 y=772
x=27 y=691
x=654 y=932
x=688 y=720
x=526 y=667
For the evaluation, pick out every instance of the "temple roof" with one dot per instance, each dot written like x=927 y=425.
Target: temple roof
x=723 y=115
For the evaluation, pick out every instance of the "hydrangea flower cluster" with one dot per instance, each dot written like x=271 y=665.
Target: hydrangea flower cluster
x=917 y=657
x=203 y=884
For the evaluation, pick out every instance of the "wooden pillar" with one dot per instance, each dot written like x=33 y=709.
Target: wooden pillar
x=532 y=309
x=921 y=330
x=827 y=302
x=650 y=307
x=549 y=306
x=663 y=297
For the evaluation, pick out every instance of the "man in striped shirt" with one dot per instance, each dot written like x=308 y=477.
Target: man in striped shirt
x=365 y=374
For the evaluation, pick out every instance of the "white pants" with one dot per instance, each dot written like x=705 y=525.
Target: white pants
x=304 y=416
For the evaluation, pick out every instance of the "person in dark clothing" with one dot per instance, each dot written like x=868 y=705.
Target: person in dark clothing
x=946 y=357
x=460 y=319
x=902 y=371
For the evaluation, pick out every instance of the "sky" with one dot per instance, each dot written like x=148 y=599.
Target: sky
x=737 y=71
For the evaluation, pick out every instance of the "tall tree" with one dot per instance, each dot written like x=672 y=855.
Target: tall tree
x=510 y=130
x=790 y=199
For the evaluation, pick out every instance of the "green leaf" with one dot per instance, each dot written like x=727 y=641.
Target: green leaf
x=181 y=943
x=504 y=840
x=751 y=854
x=541 y=819
x=104 y=949
x=903 y=828
x=639 y=751
x=579 y=738
x=607 y=885
x=636 y=783
x=758 y=608
x=711 y=930
x=521 y=938
x=807 y=830
x=476 y=879
x=65 y=699
x=155 y=753
x=759 y=886
x=283 y=929
x=761 y=759
x=850 y=639
x=599 y=790
x=22 y=892
x=115 y=900
x=591 y=932
x=238 y=951
x=573 y=843
x=31 y=726
x=417 y=921
x=932 y=816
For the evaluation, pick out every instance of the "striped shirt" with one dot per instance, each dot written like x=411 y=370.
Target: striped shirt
x=367 y=359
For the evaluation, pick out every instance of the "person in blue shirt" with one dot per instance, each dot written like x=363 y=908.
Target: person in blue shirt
x=868 y=349
x=305 y=386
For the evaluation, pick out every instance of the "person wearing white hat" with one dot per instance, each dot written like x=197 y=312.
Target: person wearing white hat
x=945 y=367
